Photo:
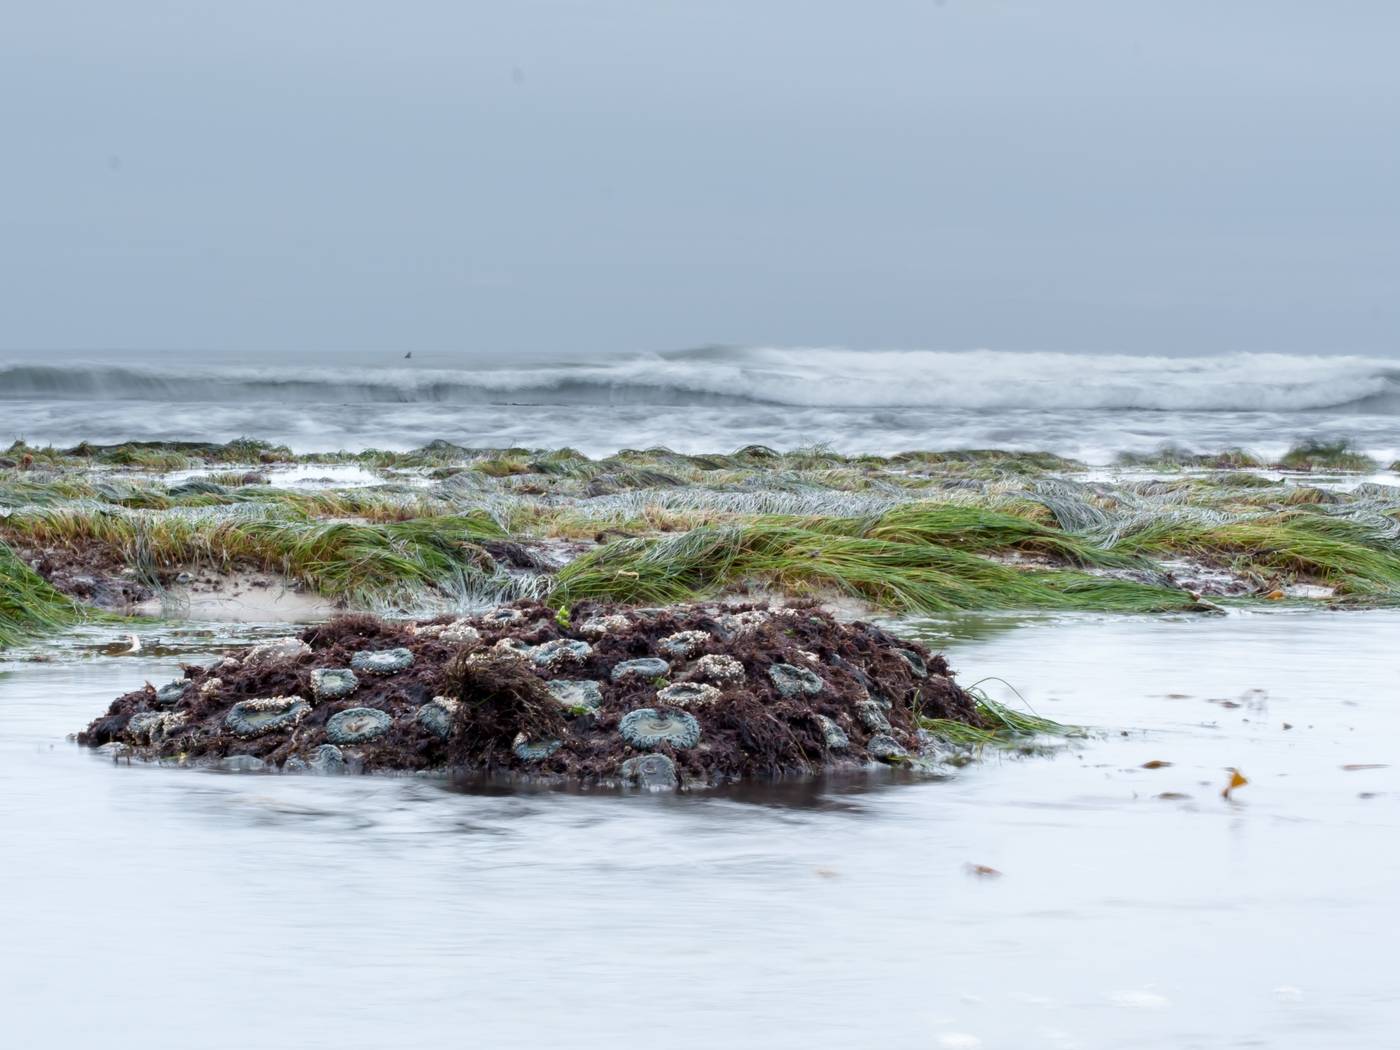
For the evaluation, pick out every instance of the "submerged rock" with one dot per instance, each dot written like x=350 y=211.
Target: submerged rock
x=886 y=748
x=356 y=725
x=648 y=727
x=528 y=750
x=656 y=772
x=386 y=661
x=242 y=764
x=327 y=760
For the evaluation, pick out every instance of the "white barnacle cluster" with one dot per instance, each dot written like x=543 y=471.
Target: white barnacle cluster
x=600 y=626
x=746 y=622
x=502 y=617
x=688 y=694
x=154 y=726
x=716 y=667
x=683 y=644
x=560 y=653
x=277 y=649
x=448 y=704
x=458 y=632
x=511 y=647
x=210 y=686
x=274 y=704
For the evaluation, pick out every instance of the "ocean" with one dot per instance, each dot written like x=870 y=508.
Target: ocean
x=1096 y=891
x=1088 y=407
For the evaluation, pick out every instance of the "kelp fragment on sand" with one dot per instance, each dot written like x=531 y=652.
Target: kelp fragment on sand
x=795 y=692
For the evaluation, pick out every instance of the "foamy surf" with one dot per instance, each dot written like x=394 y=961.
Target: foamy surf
x=1086 y=407
x=805 y=377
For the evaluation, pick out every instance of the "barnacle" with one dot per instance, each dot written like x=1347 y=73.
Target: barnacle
x=598 y=626
x=718 y=667
x=688 y=694
x=683 y=644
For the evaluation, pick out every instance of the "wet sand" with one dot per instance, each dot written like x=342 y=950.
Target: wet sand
x=229 y=909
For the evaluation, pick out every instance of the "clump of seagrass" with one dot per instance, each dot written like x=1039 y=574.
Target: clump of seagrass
x=500 y=700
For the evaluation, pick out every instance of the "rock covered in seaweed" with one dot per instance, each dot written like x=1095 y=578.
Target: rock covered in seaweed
x=689 y=695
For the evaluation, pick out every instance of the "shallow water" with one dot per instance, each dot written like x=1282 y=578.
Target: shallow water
x=162 y=908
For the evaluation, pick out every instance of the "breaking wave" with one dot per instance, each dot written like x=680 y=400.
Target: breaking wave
x=800 y=377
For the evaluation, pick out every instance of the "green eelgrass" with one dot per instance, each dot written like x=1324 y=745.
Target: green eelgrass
x=1001 y=726
x=1325 y=455
x=890 y=574
x=354 y=561
x=1347 y=554
x=28 y=605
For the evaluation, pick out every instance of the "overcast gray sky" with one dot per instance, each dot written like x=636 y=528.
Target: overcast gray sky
x=551 y=176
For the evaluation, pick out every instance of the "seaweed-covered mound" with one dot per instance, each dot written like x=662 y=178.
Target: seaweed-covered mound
x=718 y=692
